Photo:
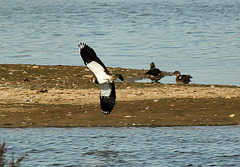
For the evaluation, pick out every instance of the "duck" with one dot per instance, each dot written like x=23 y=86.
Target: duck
x=155 y=74
x=182 y=79
x=103 y=77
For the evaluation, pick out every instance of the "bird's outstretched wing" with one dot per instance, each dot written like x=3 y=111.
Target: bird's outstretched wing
x=107 y=97
x=92 y=61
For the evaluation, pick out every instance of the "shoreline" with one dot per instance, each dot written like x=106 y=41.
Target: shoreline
x=62 y=96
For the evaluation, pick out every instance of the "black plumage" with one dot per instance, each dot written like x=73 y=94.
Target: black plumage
x=155 y=74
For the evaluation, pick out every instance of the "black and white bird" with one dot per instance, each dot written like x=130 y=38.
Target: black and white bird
x=155 y=74
x=182 y=79
x=104 y=78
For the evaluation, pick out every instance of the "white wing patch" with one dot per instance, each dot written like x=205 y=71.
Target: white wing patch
x=99 y=72
x=106 y=89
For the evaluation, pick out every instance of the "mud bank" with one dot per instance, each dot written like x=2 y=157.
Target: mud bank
x=62 y=96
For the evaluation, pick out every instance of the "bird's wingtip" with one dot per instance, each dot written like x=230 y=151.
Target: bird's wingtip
x=105 y=112
x=81 y=45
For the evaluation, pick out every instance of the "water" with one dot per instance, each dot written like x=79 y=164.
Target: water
x=171 y=146
x=197 y=37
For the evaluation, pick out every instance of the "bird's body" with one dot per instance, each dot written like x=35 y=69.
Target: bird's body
x=155 y=74
x=104 y=78
x=182 y=79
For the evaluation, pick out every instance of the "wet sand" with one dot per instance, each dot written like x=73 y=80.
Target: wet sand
x=62 y=96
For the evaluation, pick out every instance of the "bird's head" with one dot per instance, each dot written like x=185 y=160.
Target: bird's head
x=119 y=76
x=152 y=65
x=176 y=73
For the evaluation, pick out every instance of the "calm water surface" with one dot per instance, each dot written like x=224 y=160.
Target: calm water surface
x=197 y=37
x=173 y=146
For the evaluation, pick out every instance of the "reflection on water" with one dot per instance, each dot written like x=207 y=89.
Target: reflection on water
x=173 y=146
x=200 y=38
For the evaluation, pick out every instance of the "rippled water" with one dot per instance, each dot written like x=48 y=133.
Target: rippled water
x=171 y=146
x=197 y=37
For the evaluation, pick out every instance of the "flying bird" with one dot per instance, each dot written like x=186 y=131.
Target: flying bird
x=155 y=74
x=103 y=77
x=182 y=79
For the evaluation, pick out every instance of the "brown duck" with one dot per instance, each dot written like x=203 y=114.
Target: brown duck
x=182 y=79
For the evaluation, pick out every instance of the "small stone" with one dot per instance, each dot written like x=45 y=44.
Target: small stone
x=29 y=101
x=232 y=115
x=35 y=67
x=57 y=99
x=43 y=91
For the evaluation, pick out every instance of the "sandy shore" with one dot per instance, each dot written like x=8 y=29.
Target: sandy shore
x=62 y=96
